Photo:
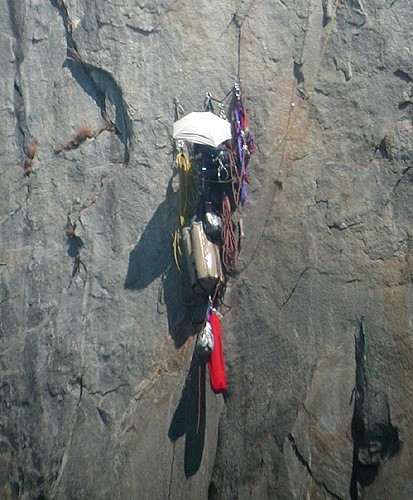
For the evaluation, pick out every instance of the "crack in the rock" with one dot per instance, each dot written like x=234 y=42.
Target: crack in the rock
x=405 y=171
x=81 y=387
x=94 y=195
x=298 y=72
x=65 y=455
x=102 y=83
x=332 y=225
x=296 y=285
x=20 y=112
x=11 y=214
x=109 y=391
x=17 y=15
x=142 y=31
x=26 y=217
x=305 y=463
x=237 y=20
x=335 y=225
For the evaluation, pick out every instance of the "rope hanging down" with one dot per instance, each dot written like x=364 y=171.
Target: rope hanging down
x=229 y=240
x=291 y=123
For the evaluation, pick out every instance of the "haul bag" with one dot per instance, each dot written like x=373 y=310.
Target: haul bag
x=216 y=366
x=204 y=264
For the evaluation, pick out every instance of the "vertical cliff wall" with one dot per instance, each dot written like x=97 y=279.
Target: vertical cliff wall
x=96 y=395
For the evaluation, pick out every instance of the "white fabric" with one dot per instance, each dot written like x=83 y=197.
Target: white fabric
x=202 y=127
x=206 y=339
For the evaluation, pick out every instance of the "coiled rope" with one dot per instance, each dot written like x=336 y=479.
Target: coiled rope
x=187 y=199
x=187 y=193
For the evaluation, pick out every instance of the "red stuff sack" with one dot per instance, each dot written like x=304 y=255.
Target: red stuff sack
x=216 y=366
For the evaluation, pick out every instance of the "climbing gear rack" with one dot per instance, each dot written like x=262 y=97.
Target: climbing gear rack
x=213 y=179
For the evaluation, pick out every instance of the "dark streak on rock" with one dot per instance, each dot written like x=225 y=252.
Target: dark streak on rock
x=104 y=416
x=405 y=171
x=305 y=463
x=141 y=31
x=298 y=72
x=334 y=225
x=326 y=13
x=17 y=15
x=75 y=245
x=109 y=391
x=296 y=285
x=403 y=76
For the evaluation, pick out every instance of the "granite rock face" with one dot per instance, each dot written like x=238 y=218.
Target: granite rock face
x=98 y=396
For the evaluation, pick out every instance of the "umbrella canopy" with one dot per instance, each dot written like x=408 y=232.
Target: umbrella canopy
x=202 y=127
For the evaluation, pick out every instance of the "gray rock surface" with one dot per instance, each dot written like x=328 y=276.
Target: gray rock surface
x=96 y=390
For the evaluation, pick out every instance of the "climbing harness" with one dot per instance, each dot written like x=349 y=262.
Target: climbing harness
x=213 y=183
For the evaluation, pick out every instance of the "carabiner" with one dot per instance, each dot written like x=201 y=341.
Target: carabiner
x=221 y=169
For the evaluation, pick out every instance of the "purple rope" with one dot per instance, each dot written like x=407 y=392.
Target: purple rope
x=241 y=151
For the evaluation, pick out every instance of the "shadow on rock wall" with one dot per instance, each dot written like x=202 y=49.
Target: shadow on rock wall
x=152 y=258
x=189 y=417
x=375 y=438
x=98 y=84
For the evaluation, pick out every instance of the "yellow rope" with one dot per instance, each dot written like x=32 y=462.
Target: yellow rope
x=187 y=199
x=177 y=248
x=187 y=188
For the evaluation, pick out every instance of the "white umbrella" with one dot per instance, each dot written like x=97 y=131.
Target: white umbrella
x=202 y=127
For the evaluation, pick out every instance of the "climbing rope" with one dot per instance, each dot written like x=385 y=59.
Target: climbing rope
x=229 y=240
x=315 y=75
x=236 y=179
x=291 y=123
x=187 y=199
x=187 y=193
x=176 y=248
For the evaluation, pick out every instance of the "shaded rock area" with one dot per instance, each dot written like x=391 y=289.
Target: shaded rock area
x=99 y=397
